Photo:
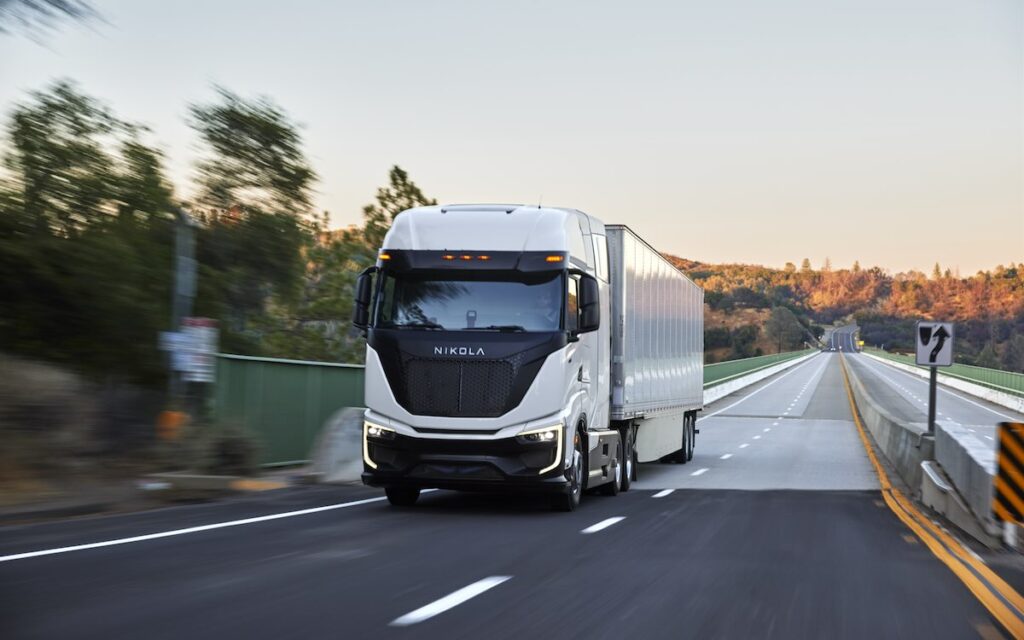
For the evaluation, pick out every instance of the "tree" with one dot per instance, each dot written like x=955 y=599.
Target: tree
x=790 y=267
x=255 y=157
x=827 y=265
x=36 y=15
x=936 y=272
x=856 y=266
x=400 y=194
x=988 y=357
x=254 y=199
x=784 y=329
x=805 y=266
x=85 y=237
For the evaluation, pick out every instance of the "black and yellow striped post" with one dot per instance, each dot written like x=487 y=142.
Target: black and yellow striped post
x=1008 y=501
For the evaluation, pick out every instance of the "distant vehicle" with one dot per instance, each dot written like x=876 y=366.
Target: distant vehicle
x=524 y=348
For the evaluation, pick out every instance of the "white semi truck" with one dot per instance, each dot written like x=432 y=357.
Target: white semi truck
x=524 y=348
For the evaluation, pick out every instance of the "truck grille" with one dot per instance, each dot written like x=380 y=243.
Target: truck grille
x=459 y=388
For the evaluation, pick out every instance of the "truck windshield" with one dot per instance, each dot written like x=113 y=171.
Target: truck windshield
x=470 y=303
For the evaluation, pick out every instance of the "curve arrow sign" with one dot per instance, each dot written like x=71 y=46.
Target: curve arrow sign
x=940 y=335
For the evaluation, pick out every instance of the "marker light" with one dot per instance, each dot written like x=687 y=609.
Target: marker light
x=467 y=257
x=376 y=431
x=554 y=258
x=447 y=256
x=545 y=435
x=385 y=256
x=483 y=257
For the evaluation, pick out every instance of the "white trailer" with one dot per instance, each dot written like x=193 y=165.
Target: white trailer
x=657 y=363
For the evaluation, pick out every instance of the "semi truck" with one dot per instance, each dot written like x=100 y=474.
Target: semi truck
x=524 y=348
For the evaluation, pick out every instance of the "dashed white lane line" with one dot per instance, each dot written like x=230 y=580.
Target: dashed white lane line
x=784 y=375
x=725 y=456
x=604 y=524
x=449 y=601
x=757 y=437
x=663 y=493
x=767 y=429
x=775 y=424
x=990 y=438
x=188 y=530
x=699 y=472
x=744 y=445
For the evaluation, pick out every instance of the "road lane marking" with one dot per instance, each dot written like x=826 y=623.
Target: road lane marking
x=989 y=437
x=757 y=391
x=767 y=429
x=725 y=456
x=663 y=493
x=698 y=472
x=757 y=437
x=449 y=601
x=604 y=524
x=947 y=391
x=775 y=424
x=744 y=445
x=188 y=530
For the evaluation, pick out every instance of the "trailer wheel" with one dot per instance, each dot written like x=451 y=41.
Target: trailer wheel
x=628 y=457
x=571 y=499
x=402 y=496
x=612 y=488
x=682 y=456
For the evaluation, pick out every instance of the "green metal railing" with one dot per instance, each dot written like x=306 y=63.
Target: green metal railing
x=283 y=403
x=1006 y=381
x=724 y=371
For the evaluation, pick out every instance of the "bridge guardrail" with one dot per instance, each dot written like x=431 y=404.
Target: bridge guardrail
x=720 y=372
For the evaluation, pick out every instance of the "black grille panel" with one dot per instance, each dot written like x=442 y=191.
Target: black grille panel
x=459 y=388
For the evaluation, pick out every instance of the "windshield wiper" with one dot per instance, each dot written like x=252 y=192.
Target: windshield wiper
x=418 y=325
x=497 y=327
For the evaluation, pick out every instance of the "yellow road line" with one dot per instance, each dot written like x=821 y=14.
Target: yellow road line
x=942 y=544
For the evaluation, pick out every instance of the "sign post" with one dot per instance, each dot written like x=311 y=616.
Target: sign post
x=934 y=342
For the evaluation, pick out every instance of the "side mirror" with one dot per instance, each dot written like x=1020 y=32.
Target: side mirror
x=590 y=304
x=361 y=306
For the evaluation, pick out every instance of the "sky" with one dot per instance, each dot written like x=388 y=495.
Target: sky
x=885 y=131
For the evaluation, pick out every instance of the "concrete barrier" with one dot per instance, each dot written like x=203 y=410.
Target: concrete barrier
x=905 y=446
x=719 y=391
x=1008 y=400
x=971 y=465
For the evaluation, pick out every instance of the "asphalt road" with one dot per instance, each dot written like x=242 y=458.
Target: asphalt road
x=786 y=537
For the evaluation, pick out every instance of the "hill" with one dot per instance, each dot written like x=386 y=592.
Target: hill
x=988 y=307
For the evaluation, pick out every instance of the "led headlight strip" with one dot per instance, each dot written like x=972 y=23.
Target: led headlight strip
x=540 y=436
x=371 y=430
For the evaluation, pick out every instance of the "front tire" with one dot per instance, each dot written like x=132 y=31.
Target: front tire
x=402 y=496
x=571 y=499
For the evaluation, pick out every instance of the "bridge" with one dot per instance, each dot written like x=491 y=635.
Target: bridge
x=797 y=517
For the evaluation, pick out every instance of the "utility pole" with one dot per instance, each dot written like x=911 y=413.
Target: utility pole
x=184 y=291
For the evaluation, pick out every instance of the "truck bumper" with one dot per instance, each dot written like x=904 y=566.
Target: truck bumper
x=504 y=464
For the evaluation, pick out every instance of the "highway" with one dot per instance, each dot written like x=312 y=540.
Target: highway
x=775 y=529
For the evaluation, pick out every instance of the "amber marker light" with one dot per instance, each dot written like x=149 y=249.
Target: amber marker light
x=467 y=257
x=385 y=256
x=483 y=257
x=554 y=259
x=447 y=257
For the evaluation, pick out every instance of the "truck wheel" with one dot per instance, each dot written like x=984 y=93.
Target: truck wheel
x=681 y=456
x=571 y=499
x=612 y=488
x=628 y=458
x=402 y=496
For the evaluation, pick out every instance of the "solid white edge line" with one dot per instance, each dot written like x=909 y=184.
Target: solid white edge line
x=757 y=391
x=450 y=601
x=663 y=493
x=699 y=472
x=181 y=532
x=604 y=524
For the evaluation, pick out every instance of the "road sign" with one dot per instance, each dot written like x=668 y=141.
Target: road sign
x=1008 y=502
x=934 y=344
x=200 y=349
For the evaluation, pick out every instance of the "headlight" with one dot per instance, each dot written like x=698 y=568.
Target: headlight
x=545 y=435
x=376 y=432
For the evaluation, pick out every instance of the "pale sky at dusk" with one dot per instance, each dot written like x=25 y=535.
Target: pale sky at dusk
x=889 y=132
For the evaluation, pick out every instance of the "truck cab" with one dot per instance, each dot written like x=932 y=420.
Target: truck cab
x=487 y=358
